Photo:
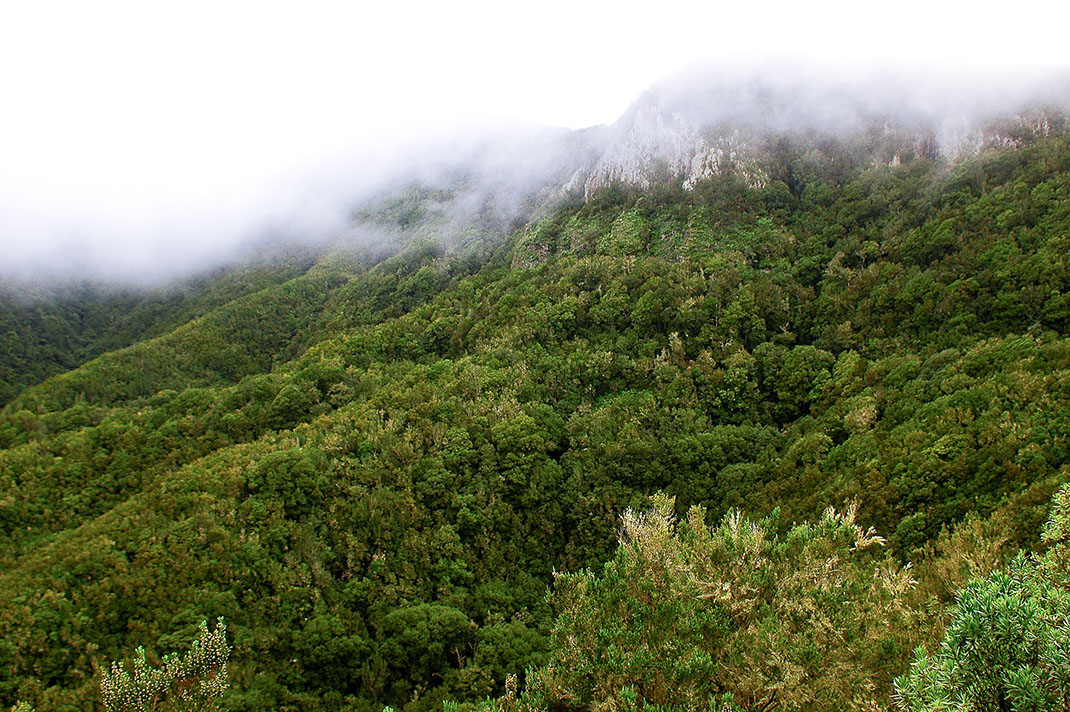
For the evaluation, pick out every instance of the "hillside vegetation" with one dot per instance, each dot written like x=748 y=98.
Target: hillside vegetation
x=56 y=330
x=373 y=470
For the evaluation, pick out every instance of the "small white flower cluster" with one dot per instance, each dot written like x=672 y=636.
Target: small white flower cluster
x=195 y=679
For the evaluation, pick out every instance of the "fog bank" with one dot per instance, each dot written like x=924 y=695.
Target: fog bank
x=148 y=229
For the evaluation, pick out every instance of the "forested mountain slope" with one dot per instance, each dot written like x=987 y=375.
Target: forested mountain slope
x=48 y=331
x=374 y=470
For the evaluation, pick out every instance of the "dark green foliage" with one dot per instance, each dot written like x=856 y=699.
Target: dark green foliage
x=423 y=643
x=686 y=616
x=374 y=470
x=1007 y=646
x=49 y=333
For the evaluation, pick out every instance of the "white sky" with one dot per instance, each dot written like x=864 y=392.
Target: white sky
x=160 y=128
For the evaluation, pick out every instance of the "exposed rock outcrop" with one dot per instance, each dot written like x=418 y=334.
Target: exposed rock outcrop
x=690 y=129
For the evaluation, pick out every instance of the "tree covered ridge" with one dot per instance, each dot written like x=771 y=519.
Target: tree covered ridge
x=49 y=333
x=376 y=485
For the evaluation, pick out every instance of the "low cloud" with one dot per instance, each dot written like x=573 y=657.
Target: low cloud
x=142 y=226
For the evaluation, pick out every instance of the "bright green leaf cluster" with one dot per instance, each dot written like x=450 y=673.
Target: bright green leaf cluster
x=1007 y=646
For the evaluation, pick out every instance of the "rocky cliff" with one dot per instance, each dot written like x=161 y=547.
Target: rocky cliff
x=693 y=128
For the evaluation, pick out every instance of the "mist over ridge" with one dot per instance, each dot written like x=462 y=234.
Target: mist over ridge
x=713 y=119
x=705 y=120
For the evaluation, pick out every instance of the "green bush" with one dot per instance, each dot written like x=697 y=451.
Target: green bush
x=1007 y=646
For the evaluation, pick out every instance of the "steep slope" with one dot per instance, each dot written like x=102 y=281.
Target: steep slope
x=376 y=485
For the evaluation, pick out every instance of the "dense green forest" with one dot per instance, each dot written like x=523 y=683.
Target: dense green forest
x=45 y=330
x=734 y=447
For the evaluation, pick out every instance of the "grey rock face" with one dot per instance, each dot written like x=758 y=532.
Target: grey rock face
x=690 y=129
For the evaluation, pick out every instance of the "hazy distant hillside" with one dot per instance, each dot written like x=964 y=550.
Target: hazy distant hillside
x=55 y=329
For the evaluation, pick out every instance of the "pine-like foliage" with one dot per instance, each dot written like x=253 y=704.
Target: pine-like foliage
x=1007 y=646
x=692 y=617
x=190 y=682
